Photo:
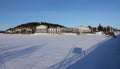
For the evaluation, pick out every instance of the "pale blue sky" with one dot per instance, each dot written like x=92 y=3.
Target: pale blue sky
x=70 y=13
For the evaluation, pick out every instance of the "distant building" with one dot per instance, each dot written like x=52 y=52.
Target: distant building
x=41 y=29
x=58 y=30
x=83 y=29
x=46 y=29
x=69 y=30
x=8 y=32
x=19 y=31
x=26 y=31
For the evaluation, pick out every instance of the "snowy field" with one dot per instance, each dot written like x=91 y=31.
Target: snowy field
x=46 y=52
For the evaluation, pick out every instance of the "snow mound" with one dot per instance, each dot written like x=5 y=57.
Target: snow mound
x=99 y=33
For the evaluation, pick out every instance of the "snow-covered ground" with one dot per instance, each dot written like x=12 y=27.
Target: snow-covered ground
x=46 y=51
x=105 y=56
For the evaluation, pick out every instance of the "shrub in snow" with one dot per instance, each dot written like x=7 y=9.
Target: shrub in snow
x=111 y=34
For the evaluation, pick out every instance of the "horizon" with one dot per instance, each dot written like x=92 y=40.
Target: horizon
x=70 y=13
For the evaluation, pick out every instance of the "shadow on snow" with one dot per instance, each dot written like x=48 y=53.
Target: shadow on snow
x=74 y=55
x=9 y=55
x=105 y=56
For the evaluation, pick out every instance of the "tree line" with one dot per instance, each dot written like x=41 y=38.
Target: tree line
x=108 y=30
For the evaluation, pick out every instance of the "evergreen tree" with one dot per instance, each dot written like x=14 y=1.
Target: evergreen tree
x=100 y=28
x=108 y=29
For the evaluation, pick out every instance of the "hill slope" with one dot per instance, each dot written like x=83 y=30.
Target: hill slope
x=33 y=25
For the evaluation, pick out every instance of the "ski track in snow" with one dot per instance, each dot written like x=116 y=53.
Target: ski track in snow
x=45 y=52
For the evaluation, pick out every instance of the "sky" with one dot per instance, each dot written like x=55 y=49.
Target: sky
x=70 y=13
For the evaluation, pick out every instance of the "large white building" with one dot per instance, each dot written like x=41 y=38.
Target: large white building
x=46 y=29
x=83 y=29
x=58 y=30
x=41 y=29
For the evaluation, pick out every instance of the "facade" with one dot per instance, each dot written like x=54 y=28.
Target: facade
x=46 y=29
x=58 y=30
x=26 y=31
x=42 y=29
x=83 y=29
x=18 y=31
x=53 y=30
x=69 y=30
